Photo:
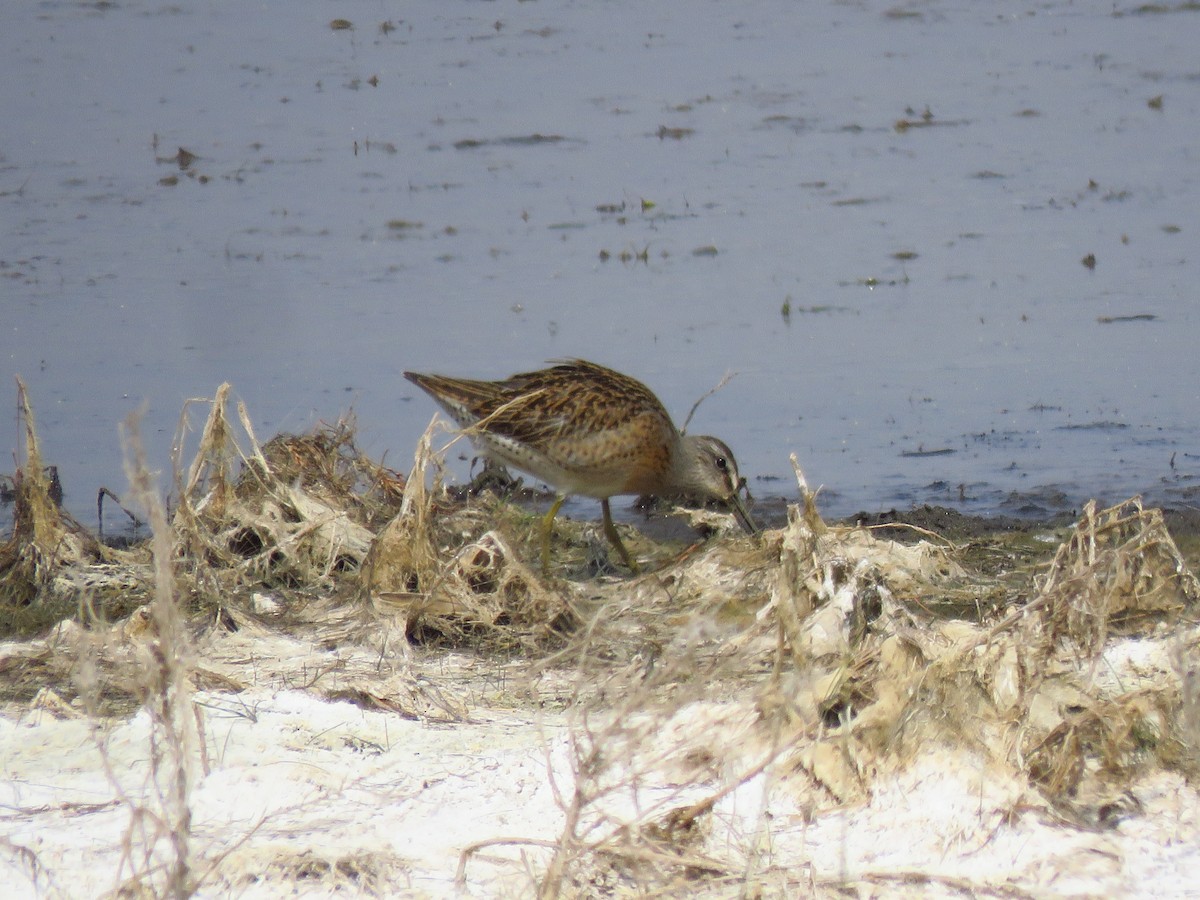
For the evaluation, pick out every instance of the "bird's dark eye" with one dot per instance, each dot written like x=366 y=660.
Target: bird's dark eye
x=722 y=463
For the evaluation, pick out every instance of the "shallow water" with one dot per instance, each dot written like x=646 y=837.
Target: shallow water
x=481 y=187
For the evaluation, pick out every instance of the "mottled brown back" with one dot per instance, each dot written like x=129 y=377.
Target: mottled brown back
x=596 y=425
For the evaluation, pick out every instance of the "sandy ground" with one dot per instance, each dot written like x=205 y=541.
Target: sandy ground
x=298 y=795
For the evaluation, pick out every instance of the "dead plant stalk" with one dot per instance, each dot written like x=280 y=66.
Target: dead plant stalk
x=166 y=668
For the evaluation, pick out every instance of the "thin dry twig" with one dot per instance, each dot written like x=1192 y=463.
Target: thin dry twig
x=725 y=379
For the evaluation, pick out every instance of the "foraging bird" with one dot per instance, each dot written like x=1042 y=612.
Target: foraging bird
x=588 y=430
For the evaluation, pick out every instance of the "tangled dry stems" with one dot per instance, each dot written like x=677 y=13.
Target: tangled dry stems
x=817 y=657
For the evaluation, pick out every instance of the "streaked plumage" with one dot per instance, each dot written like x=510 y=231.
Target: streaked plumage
x=585 y=429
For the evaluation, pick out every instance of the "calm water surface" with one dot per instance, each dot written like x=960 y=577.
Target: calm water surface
x=475 y=188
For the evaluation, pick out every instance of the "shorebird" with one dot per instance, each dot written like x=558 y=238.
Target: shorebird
x=585 y=429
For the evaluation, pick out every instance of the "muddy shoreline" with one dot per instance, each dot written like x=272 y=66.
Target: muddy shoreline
x=771 y=512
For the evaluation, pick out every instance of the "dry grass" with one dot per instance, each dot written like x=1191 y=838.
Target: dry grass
x=1120 y=572
x=158 y=851
x=296 y=515
x=40 y=563
x=810 y=661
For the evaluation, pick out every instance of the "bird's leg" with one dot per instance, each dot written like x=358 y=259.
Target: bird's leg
x=547 y=525
x=610 y=531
